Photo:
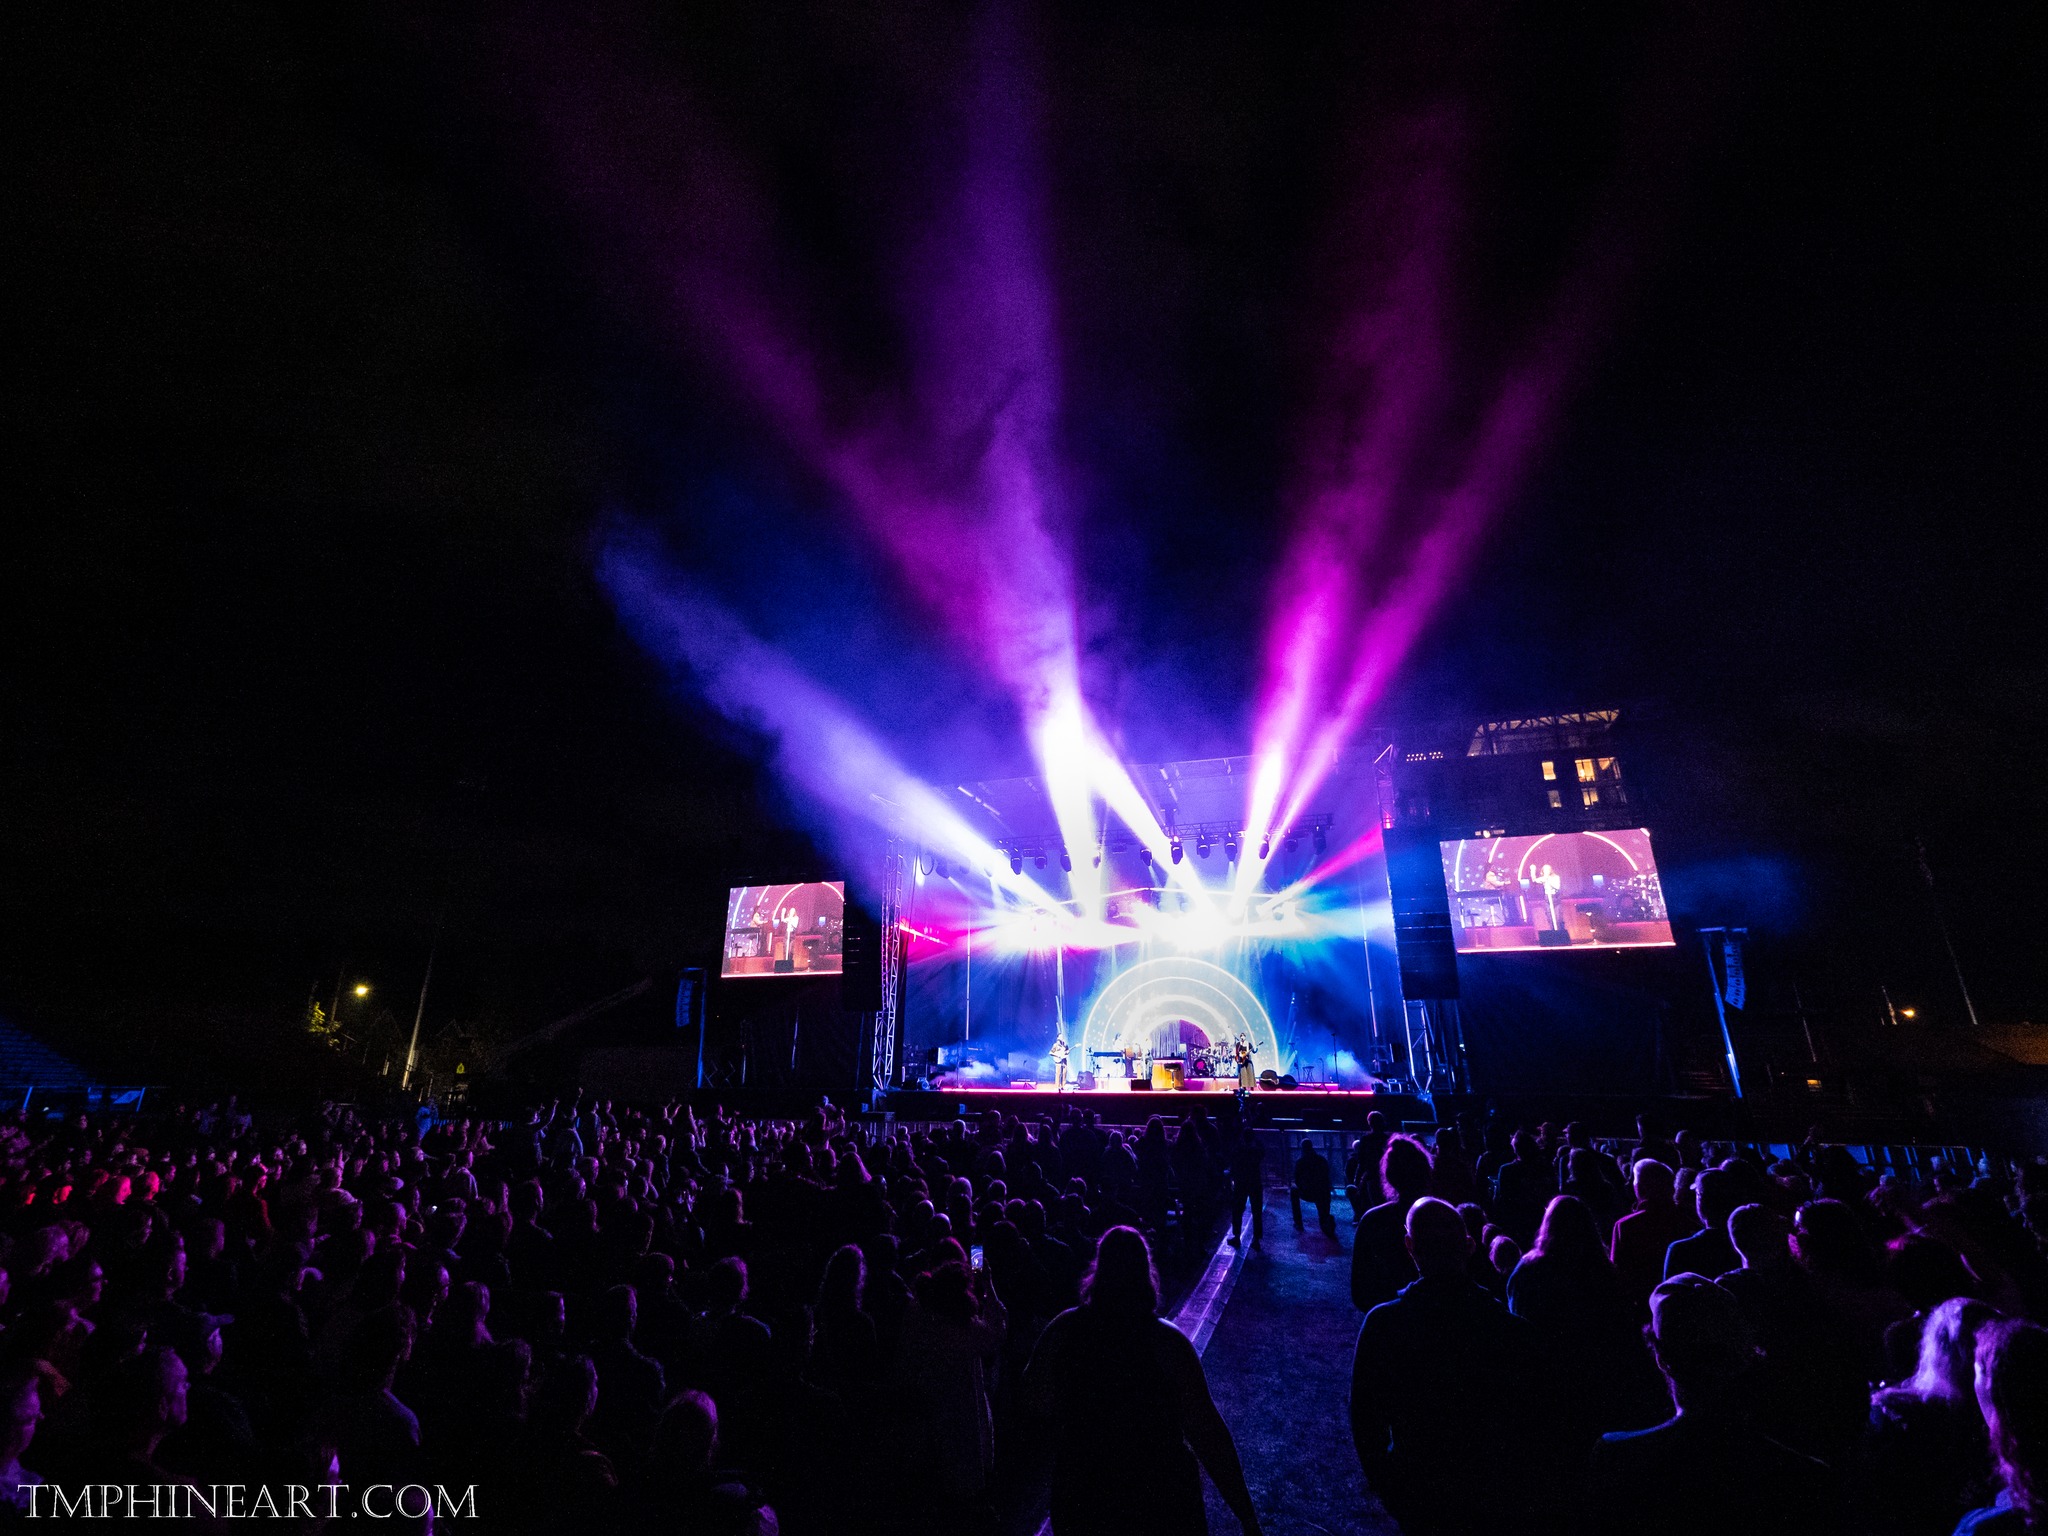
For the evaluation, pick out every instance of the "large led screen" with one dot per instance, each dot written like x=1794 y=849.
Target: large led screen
x=1562 y=890
x=785 y=930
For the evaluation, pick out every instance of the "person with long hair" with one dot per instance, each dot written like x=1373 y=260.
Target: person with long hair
x=1926 y=1458
x=1380 y=1264
x=1111 y=1372
x=1567 y=1290
x=2012 y=1390
x=845 y=1353
x=951 y=1337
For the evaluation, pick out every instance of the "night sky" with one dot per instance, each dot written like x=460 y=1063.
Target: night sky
x=325 y=392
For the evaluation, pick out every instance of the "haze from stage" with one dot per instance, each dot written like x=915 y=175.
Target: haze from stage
x=1557 y=890
x=785 y=930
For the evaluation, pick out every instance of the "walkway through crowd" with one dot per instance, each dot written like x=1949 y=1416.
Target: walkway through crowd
x=1279 y=1366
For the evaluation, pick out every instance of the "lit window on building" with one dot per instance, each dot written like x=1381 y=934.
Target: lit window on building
x=1589 y=796
x=1585 y=767
x=1549 y=770
x=1609 y=768
x=1557 y=800
x=1615 y=795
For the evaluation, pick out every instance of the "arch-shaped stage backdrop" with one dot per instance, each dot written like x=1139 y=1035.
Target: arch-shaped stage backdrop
x=1156 y=997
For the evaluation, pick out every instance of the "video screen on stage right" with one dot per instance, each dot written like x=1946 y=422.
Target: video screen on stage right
x=1561 y=890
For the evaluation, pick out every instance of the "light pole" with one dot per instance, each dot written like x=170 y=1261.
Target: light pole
x=1720 y=1006
x=412 y=1049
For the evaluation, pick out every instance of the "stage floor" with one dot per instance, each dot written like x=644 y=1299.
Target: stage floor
x=1123 y=1085
x=1310 y=1104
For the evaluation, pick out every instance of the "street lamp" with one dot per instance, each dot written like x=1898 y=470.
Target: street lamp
x=362 y=989
x=1909 y=1013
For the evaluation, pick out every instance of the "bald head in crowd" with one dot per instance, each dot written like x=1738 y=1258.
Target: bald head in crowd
x=1437 y=1239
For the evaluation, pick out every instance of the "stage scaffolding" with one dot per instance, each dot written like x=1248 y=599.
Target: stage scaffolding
x=888 y=1024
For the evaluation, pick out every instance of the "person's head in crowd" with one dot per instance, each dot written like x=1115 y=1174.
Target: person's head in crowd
x=465 y=1317
x=1759 y=1235
x=144 y=1399
x=424 y=1288
x=618 y=1314
x=206 y=1238
x=1437 y=1240
x=1945 y=1368
x=1582 y=1167
x=444 y=1228
x=845 y=1279
x=1830 y=1243
x=79 y=1282
x=686 y=1439
x=1475 y=1223
x=1404 y=1168
x=1568 y=1234
x=164 y=1265
x=1701 y=1342
x=197 y=1339
x=504 y=1377
x=1653 y=1182
x=1503 y=1253
x=947 y=1291
x=655 y=1274
x=527 y=1201
x=882 y=1250
x=1716 y=1193
x=381 y=1343
x=381 y=1281
x=1448 y=1140
x=566 y=1397
x=2012 y=1391
x=1926 y=1271
x=1525 y=1144
x=1121 y=1282
x=21 y=1410
x=725 y=1288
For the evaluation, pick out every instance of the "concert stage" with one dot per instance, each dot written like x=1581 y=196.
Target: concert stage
x=1314 y=1107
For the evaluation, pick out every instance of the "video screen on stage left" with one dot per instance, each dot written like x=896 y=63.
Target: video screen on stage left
x=785 y=930
x=1562 y=890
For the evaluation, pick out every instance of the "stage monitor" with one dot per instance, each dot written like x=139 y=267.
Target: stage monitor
x=785 y=930
x=1561 y=890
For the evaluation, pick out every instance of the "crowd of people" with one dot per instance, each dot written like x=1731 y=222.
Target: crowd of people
x=637 y=1319
x=616 y=1318
x=1663 y=1336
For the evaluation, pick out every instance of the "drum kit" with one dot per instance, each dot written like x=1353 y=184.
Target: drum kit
x=1189 y=1064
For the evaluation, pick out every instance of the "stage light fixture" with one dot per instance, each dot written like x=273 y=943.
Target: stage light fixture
x=1174 y=848
x=1265 y=848
x=1230 y=848
x=1016 y=863
x=1038 y=862
x=1066 y=863
x=1322 y=842
x=1201 y=847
